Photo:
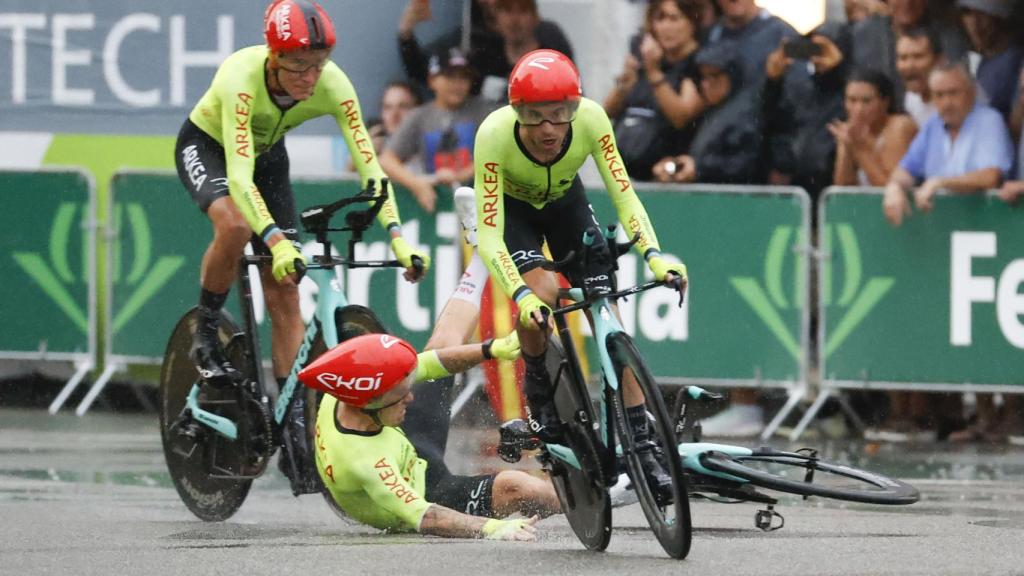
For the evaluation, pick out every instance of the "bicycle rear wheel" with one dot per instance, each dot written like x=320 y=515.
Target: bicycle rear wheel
x=581 y=491
x=191 y=449
x=805 y=475
x=669 y=522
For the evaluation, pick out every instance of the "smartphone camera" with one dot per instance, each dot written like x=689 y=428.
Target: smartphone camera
x=801 y=48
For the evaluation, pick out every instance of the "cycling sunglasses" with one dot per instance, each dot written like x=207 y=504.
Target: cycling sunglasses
x=557 y=113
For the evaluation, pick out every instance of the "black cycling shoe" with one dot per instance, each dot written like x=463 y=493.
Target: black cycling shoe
x=658 y=480
x=544 y=422
x=210 y=361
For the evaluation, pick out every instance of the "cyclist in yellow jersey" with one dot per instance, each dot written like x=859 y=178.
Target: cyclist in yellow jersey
x=231 y=157
x=373 y=471
x=527 y=156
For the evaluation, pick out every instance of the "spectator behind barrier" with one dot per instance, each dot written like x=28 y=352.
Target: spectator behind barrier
x=873 y=138
x=726 y=148
x=857 y=10
x=502 y=31
x=396 y=101
x=440 y=133
x=964 y=148
x=799 y=98
x=755 y=31
x=917 y=52
x=655 y=100
x=874 y=38
x=987 y=23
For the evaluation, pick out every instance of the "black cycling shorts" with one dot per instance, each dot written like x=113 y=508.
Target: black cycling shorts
x=466 y=494
x=561 y=223
x=201 y=169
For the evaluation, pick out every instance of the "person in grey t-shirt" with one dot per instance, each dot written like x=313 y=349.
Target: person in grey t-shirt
x=434 y=143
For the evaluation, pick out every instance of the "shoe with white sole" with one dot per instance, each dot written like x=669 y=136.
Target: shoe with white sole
x=736 y=421
x=622 y=493
x=465 y=209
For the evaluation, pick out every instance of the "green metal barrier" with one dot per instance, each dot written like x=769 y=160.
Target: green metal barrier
x=745 y=322
x=934 y=304
x=49 y=236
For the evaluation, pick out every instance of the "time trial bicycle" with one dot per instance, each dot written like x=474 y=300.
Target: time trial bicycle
x=598 y=438
x=217 y=440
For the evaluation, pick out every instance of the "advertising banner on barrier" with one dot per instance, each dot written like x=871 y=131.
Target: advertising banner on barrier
x=744 y=316
x=743 y=320
x=935 y=300
x=48 y=308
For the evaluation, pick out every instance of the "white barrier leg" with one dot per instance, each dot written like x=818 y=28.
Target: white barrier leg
x=795 y=395
x=823 y=395
x=70 y=387
x=97 y=387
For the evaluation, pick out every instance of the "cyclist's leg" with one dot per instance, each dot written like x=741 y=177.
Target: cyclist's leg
x=524 y=237
x=428 y=417
x=200 y=163
x=286 y=326
x=517 y=491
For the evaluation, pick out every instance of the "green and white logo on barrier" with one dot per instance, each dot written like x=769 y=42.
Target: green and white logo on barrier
x=53 y=274
x=857 y=298
x=143 y=276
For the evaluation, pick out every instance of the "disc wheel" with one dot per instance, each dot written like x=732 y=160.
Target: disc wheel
x=192 y=450
x=803 y=474
x=581 y=491
x=670 y=522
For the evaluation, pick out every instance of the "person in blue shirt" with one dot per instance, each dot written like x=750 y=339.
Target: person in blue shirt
x=964 y=148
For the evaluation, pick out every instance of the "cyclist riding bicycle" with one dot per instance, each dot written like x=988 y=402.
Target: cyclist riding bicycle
x=371 y=468
x=231 y=156
x=527 y=157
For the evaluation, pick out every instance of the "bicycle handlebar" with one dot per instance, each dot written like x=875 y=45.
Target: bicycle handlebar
x=317 y=218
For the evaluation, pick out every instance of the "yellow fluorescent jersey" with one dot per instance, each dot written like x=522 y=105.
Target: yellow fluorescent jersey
x=503 y=167
x=376 y=478
x=238 y=111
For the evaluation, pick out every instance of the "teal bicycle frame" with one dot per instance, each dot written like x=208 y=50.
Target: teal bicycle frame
x=331 y=300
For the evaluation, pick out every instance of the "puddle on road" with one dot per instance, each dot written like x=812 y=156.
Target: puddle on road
x=101 y=477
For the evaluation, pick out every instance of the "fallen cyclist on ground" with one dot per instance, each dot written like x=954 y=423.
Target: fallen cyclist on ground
x=372 y=470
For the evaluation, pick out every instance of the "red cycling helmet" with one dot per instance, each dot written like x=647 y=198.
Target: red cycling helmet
x=361 y=370
x=291 y=25
x=544 y=76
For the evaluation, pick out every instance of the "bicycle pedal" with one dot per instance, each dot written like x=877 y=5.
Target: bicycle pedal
x=765 y=519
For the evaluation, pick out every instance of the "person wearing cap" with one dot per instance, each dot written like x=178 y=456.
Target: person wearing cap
x=371 y=468
x=989 y=30
x=500 y=31
x=439 y=133
x=528 y=191
x=231 y=157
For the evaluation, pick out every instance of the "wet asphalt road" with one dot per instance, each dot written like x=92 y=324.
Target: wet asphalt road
x=91 y=496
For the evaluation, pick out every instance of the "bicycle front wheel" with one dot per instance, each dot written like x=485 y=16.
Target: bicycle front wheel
x=670 y=521
x=805 y=475
x=192 y=450
x=581 y=490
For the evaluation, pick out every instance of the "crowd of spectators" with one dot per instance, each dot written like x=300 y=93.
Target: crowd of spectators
x=913 y=96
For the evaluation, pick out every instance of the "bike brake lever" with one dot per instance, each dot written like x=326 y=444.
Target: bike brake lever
x=677 y=285
x=300 y=270
x=545 y=325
